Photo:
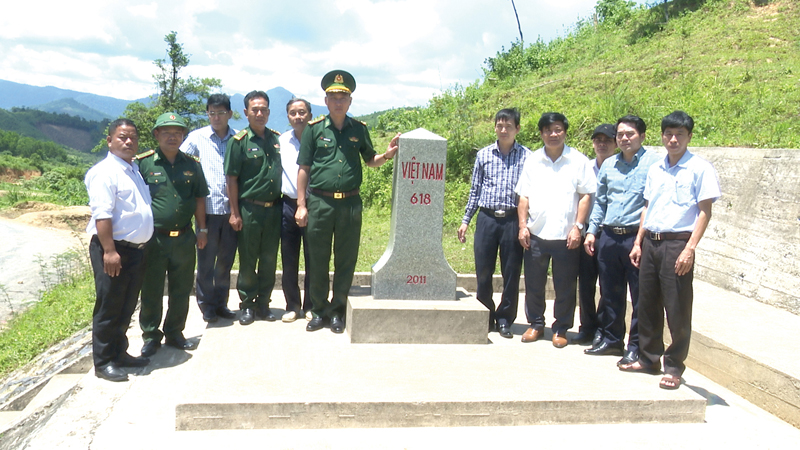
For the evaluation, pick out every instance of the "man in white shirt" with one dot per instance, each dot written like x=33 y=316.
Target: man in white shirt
x=121 y=225
x=554 y=197
x=299 y=113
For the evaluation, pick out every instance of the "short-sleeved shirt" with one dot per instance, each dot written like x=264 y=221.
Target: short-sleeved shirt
x=210 y=148
x=174 y=187
x=334 y=155
x=290 y=148
x=118 y=192
x=620 y=190
x=257 y=164
x=493 y=179
x=554 y=189
x=674 y=192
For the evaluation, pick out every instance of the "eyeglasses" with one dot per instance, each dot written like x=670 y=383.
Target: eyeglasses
x=217 y=113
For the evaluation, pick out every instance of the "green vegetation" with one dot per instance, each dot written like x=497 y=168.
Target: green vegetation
x=64 y=309
x=183 y=96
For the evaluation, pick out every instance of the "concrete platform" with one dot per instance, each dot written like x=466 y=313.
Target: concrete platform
x=386 y=321
x=336 y=384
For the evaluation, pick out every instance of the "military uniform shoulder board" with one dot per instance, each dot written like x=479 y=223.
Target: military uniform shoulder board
x=196 y=158
x=276 y=132
x=317 y=120
x=240 y=135
x=361 y=122
x=145 y=154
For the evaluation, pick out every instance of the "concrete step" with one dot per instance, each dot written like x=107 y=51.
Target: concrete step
x=327 y=382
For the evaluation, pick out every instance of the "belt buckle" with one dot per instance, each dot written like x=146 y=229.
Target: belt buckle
x=618 y=230
x=655 y=236
x=500 y=213
x=338 y=195
x=268 y=204
x=174 y=233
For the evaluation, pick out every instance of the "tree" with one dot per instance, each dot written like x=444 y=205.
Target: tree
x=184 y=96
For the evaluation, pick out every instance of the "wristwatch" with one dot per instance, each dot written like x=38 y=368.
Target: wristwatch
x=580 y=226
x=203 y=230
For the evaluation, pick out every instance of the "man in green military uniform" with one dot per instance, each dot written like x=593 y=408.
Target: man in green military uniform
x=178 y=189
x=330 y=172
x=253 y=175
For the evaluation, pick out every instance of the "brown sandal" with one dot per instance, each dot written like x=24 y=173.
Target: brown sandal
x=670 y=382
x=637 y=366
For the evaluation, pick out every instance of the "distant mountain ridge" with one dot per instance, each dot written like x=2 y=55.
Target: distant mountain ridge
x=97 y=107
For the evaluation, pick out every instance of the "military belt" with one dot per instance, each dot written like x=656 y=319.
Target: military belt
x=336 y=195
x=174 y=233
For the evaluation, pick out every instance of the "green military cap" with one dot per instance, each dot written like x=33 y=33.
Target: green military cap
x=338 y=81
x=169 y=119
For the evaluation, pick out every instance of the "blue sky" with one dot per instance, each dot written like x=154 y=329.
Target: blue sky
x=401 y=52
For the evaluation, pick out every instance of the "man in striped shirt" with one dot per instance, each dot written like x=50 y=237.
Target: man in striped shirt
x=497 y=170
x=214 y=262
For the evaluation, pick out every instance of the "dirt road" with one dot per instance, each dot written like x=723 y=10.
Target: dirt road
x=21 y=247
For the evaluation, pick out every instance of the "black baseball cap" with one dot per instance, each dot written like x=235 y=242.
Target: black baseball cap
x=607 y=129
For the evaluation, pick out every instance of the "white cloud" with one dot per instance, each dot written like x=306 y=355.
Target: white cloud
x=401 y=52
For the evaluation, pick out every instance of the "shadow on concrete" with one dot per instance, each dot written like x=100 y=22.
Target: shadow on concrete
x=711 y=398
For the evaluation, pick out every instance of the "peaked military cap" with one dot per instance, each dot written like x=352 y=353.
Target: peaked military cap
x=169 y=119
x=338 y=81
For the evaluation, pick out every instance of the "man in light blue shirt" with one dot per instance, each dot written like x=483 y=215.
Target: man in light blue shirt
x=679 y=192
x=613 y=225
x=214 y=262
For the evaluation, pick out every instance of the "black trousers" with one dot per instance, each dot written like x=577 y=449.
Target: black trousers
x=587 y=288
x=661 y=289
x=493 y=234
x=292 y=236
x=115 y=302
x=214 y=263
x=616 y=274
x=565 y=281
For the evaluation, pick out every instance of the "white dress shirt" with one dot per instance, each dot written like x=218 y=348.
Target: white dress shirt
x=290 y=147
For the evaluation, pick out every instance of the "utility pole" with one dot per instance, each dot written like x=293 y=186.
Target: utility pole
x=519 y=27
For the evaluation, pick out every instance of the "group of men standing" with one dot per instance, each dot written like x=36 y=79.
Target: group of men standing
x=633 y=219
x=253 y=190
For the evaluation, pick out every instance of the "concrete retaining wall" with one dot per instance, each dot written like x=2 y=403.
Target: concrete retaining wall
x=752 y=245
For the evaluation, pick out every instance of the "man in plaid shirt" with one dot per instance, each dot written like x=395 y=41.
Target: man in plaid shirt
x=497 y=170
x=214 y=262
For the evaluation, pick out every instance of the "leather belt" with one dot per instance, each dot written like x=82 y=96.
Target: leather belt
x=175 y=233
x=500 y=213
x=130 y=244
x=667 y=236
x=256 y=202
x=336 y=195
x=621 y=231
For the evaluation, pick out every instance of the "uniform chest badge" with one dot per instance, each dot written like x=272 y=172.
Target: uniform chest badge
x=353 y=139
x=155 y=173
x=252 y=149
x=324 y=139
x=188 y=173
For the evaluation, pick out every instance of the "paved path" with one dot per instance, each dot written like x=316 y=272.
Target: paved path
x=21 y=247
x=141 y=413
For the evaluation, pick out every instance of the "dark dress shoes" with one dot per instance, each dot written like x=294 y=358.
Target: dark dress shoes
x=226 y=313
x=180 y=343
x=209 y=316
x=315 y=324
x=150 y=348
x=111 y=373
x=584 y=337
x=598 y=338
x=505 y=331
x=248 y=316
x=126 y=360
x=631 y=356
x=264 y=313
x=337 y=325
x=604 y=349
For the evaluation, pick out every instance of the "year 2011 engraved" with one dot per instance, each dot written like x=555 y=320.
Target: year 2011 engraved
x=416 y=279
x=420 y=199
